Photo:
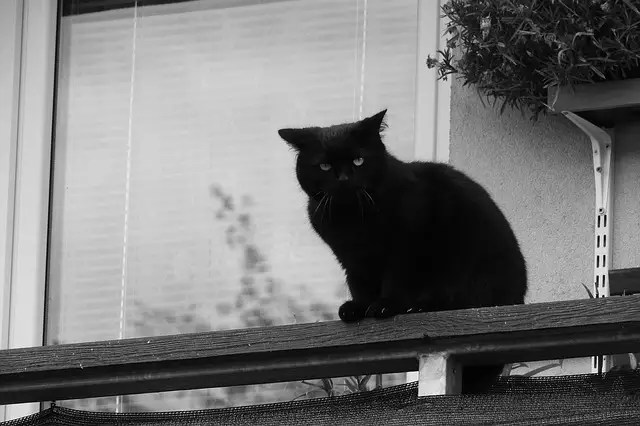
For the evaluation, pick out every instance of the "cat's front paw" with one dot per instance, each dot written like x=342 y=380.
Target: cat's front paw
x=351 y=311
x=385 y=308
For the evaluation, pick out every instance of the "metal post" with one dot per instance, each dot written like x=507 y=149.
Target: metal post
x=602 y=150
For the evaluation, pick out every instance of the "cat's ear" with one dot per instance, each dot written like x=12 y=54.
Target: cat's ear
x=298 y=139
x=375 y=123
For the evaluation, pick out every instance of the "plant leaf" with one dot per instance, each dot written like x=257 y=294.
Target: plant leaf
x=632 y=6
x=588 y=291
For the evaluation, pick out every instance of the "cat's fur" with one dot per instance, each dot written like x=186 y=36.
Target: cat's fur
x=411 y=237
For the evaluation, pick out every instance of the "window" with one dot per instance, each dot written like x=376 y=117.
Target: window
x=174 y=207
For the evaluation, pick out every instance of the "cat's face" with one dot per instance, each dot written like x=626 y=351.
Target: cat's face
x=339 y=160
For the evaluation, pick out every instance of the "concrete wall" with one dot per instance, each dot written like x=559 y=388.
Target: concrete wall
x=540 y=173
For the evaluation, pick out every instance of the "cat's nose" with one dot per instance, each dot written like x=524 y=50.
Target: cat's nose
x=343 y=176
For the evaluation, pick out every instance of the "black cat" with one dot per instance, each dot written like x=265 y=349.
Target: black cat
x=411 y=237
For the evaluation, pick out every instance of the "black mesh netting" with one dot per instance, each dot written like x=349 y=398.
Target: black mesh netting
x=611 y=399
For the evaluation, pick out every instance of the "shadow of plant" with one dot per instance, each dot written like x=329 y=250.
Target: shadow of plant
x=260 y=301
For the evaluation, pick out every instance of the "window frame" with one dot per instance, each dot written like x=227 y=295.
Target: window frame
x=28 y=39
x=25 y=174
x=10 y=48
x=433 y=96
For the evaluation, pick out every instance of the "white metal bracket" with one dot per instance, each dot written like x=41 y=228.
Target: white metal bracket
x=602 y=151
x=601 y=143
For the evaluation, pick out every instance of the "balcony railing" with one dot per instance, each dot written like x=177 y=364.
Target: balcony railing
x=506 y=334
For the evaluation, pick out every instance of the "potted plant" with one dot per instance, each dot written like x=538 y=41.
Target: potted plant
x=527 y=54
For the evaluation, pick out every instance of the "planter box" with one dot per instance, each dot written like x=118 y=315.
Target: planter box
x=605 y=104
x=624 y=281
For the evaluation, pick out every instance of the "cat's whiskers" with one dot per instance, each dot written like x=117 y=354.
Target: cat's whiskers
x=368 y=196
x=325 y=208
x=324 y=196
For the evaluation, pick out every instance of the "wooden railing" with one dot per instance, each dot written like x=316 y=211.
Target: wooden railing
x=329 y=349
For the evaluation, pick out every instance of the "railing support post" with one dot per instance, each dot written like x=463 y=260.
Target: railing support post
x=439 y=374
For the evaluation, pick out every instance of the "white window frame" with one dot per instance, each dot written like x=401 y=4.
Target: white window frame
x=27 y=67
x=433 y=96
x=28 y=41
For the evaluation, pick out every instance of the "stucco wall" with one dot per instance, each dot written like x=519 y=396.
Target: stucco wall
x=540 y=174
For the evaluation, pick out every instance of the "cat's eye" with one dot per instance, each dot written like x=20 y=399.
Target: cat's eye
x=358 y=161
x=325 y=167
